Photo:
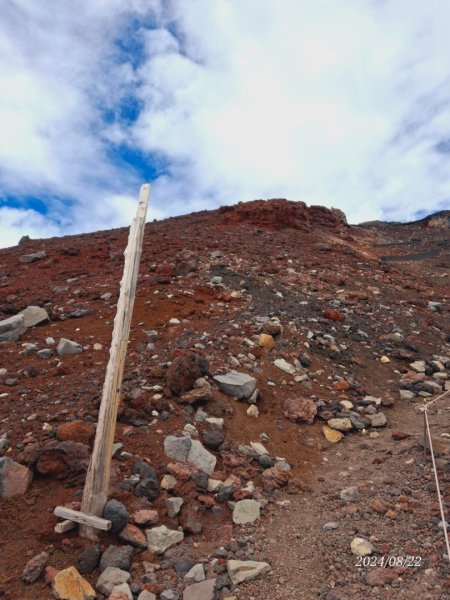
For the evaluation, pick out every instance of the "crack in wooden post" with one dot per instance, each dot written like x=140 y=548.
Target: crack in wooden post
x=97 y=478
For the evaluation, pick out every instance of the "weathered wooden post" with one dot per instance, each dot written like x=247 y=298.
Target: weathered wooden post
x=97 y=479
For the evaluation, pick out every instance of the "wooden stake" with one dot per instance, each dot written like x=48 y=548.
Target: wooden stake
x=97 y=479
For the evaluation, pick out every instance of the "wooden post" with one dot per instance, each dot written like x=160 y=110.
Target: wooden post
x=97 y=479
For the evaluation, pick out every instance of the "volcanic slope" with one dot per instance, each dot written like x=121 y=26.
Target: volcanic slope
x=354 y=323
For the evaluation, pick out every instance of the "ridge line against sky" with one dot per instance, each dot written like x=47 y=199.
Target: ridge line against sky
x=218 y=101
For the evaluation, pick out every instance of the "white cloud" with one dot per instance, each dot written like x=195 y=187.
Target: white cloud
x=328 y=102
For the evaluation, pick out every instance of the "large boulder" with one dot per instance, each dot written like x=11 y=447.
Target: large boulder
x=184 y=371
x=60 y=459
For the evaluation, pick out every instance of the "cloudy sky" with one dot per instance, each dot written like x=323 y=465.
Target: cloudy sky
x=338 y=103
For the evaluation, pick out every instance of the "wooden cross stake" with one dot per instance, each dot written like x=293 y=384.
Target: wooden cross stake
x=97 y=479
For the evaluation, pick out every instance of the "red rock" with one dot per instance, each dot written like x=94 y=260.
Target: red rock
x=332 y=314
x=224 y=533
x=379 y=506
x=76 y=431
x=183 y=372
x=145 y=517
x=391 y=514
x=341 y=386
x=232 y=460
x=207 y=501
x=400 y=435
x=197 y=396
x=275 y=477
x=131 y=534
x=190 y=521
x=15 y=478
x=242 y=495
x=299 y=409
x=49 y=574
x=182 y=471
x=59 y=459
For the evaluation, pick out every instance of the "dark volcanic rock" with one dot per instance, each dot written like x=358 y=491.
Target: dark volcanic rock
x=60 y=459
x=184 y=370
x=117 y=513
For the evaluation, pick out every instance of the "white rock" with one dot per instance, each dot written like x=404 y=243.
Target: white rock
x=246 y=511
x=197 y=573
x=168 y=482
x=174 y=321
x=214 y=485
x=215 y=422
x=258 y=449
x=111 y=577
x=173 y=506
x=285 y=366
x=119 y=590
x=200 y=591
x=12 y=328
x=361 y=547
x=252 y=411
x=243 y=570
x=350 y=494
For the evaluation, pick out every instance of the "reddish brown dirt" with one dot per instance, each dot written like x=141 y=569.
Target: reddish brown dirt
x=279 y=259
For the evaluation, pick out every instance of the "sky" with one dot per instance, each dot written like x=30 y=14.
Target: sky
x=344 y=104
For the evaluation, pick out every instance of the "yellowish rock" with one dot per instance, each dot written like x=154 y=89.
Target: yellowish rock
x=252 y=411
x=385 y=360
x=266 y=341
x=69 y=585
x=332 y=435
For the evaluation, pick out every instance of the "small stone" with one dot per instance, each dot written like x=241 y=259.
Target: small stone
x=252 y=411
x=239 y=385
x=131 y=534
x=69 y=585
x=266 y=341
x=285 y=366
x=145 y=595
x=33 y=257
x=196 y=573
x=361 y=547
x=201 y=458
x=161 y=539
x=111 y=577
x=121 y=592
x=168 y=482
x=117 y=513
x=34 y=315
x=177 y=447
x=34 y=568
x=76 y=431
x=67 y=347
x=378 y=420
x=332 y=435
x=15 y=478
x=244 y=570
x=88 y=559
x=200 y=591
x=44 y=353
x=145 y=517
x=169 y=595
x=173 y=506
x=246 y=511
x=330 y=526
x=117 y=556
x=385 y=360
x=340 y=424
x=350 y=494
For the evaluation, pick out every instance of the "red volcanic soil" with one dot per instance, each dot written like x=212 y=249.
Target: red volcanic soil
x=344 y=298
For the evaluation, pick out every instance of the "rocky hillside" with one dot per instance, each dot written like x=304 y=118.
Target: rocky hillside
x=277 y=361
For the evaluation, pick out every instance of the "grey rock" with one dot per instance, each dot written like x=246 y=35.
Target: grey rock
x=265 y=462
x=285 y=366
x=378 y=420
x=330 y=526
x=34 y=568
x=111 y=577
x=12 y=328
x=173 y=506
x=121 y=590
x=33 y=257
x=145 y=595
x=117 y=513
x=239 y=385
x=118 y=557
x=161 y=538
x=34 y=315
x=183 y=565
x=350 y=494
x=88 y=559
x=201 y=458
x=177 y=447
x=149 y=487
x=246 y=511
x=200 y=591
x=196 y=573
x=67 y=347
x=44 y=353
x=169 y=595
x=14 y=478
x=340 y=424
x=213 y=438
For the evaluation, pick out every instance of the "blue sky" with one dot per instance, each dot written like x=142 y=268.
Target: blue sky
x=344 y=104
